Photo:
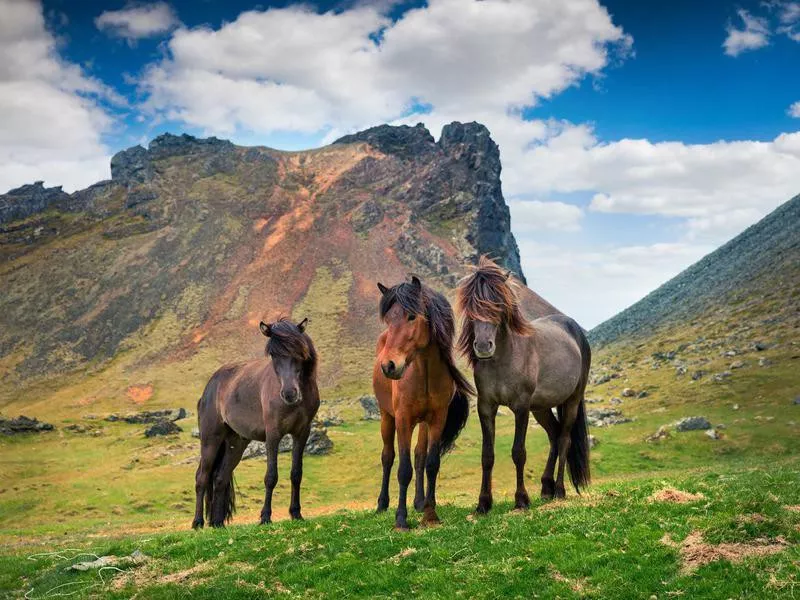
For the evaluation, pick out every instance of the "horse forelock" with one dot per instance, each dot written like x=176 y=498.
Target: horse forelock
x=488 y=295
x=287 y=340
x=407 y=296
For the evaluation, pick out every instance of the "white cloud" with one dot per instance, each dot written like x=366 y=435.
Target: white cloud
x=138 y=21
x=535 y=215
x=754 y=34
x=354 y=68
x=593 y=285
x=790 y=20
x=794 y=110
x=51 y=118
x=718 y=188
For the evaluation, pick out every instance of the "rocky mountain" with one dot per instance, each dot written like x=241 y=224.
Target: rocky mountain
x=166 y=269
x=755 y=275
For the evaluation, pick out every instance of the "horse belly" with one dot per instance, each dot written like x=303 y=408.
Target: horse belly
x=556 y=383
x=246 y=419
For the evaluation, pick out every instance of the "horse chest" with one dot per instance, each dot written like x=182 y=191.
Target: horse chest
x=504 y=388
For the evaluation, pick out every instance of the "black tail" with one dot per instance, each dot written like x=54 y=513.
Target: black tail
x=457 y=414
x=578 y=454
x=226 y=489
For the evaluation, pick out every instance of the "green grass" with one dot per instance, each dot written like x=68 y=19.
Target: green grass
x=608 y=544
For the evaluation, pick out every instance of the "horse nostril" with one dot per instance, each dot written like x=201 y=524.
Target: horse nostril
x=390 y=366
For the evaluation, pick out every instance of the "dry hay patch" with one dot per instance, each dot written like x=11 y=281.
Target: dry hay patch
x=675 y=496
x=695 y=553
x=580 y=585
x=794 y=508
x=152 y=574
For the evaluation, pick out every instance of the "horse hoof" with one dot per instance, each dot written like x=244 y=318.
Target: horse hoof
x=419 y=505
x=560 y=493
x=483 y=509
x=547 y=495
x=197 y=525
x=522 y=502
x=264 y=521
x=402 y=528
x=297 y=517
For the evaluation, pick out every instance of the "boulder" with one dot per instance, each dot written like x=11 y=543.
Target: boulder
x=737 y=364
x=628 y=393
x=692 y=424
x=330 y=419
x=150 y=416
x=713 y=434
x=602 y=417
x=698 y=375
x=318 y=444
x=615 y=402
x=722 y=376
x=162 y=428
x=371 y=410
x=642 y=394
x=23 y=424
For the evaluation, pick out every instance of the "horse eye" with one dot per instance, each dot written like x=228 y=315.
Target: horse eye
x=412 y=317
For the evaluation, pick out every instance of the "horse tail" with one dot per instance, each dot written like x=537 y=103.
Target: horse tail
x=457 y=414
x=206 y=408
x=578 y=453
x=225 y=488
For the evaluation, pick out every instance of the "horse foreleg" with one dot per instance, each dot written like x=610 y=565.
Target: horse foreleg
x=487 y=413
x=404 y=471
x=550 y=425
x=519 y=456
x=298 y=447
x=387 y=458
x=568 y=415
x=432 y=468
x=271 y=476
x=420 y=458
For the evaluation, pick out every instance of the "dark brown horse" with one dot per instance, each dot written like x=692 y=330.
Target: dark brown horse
x=530 y=367
x=416 y=382
x=262 y=399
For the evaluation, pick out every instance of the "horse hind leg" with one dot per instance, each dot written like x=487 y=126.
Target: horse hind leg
x=568 y=413
x=224 y=498
x=420 y=460
x=549 y=423
x=404 y=471
x=210 y=443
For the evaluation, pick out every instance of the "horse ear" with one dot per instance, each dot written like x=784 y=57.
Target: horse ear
x=382 y=288
x=266 y=328
x=508 y=275
x=302 y=325
x=416 y=282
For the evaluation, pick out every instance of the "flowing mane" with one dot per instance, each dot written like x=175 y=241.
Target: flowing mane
x=436 y=310
x=488 y=295
x=286 y=339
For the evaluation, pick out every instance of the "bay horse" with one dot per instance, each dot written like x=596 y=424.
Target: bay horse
x=264 y=400
x=416 y=382
x=528 y=366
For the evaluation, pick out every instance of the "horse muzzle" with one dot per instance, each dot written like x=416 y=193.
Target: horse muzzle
x=483 y=351
x=392 y=371
x=291 y=397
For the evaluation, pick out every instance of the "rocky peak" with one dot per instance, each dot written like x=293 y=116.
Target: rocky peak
x=29 y=199
x=403 y=141
x=472 y=140
x=135 y=165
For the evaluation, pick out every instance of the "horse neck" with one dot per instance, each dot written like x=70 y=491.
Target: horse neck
x=504 y=341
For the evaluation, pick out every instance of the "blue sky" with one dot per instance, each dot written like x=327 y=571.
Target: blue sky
x=635 y=136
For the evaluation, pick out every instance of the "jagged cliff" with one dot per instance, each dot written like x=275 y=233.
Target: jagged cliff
x=172 y=262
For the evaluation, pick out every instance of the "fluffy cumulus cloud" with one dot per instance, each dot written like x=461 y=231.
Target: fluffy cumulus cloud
x=794 y=110
x=51 y=116
x=789 y=17
x=346 y=70
x=753 y=34
x=138 y=21
x=717 y=188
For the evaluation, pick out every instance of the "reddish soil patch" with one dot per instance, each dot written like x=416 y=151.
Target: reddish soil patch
x=675 y=496
x=139 y=394
x=695 y=552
